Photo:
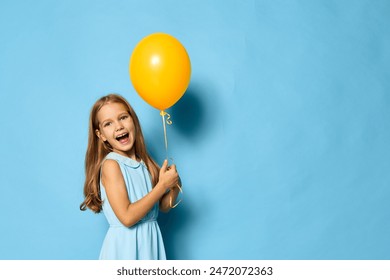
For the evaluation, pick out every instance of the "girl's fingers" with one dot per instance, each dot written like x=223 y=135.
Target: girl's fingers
x=164 y=166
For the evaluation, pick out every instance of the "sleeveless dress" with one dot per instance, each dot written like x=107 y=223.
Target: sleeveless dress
x=142 y=241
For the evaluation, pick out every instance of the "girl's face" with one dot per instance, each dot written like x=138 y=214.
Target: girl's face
x=117 y=128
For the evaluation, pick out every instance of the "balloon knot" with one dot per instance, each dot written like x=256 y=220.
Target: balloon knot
x=168 y=119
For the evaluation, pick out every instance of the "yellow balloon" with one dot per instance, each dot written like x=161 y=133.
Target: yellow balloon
x=160 y=70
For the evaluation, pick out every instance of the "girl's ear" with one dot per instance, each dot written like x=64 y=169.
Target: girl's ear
x=101 y=136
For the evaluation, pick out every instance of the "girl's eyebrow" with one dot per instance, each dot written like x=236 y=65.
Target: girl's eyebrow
x=106 y=120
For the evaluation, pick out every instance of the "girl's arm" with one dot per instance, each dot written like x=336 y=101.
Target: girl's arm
x=130 y=213
x=169 y=198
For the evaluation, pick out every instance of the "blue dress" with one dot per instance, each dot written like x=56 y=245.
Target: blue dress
x=142 y=241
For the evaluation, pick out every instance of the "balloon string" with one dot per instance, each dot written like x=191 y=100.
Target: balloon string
x=168 y=122
x=170 y=198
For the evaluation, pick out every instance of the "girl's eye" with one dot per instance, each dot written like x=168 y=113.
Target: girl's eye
x=106 y=124
x=124 y=117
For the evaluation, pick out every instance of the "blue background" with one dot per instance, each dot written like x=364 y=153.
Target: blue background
x=282 y=138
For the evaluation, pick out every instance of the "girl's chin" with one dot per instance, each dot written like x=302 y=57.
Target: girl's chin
x=123 y=150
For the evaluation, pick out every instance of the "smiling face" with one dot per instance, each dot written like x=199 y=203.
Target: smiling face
x=117 y=128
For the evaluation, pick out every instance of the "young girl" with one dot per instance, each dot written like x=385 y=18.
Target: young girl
x=125 y=182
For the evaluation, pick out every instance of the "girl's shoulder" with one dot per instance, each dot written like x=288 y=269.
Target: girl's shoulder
x=111 y=174
x=110 y=166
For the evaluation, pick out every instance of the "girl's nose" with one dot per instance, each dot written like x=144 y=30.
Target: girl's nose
x=119 y=126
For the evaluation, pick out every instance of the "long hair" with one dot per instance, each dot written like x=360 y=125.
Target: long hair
x=97 y=151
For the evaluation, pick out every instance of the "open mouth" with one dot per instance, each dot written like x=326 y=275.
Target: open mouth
x=123 y=138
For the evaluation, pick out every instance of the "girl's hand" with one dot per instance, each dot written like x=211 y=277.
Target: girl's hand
x=168 y=175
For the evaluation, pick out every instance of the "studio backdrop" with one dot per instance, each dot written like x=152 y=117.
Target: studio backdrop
x=281 y=139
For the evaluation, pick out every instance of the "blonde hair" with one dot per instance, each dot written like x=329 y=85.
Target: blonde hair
x=97 y=151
